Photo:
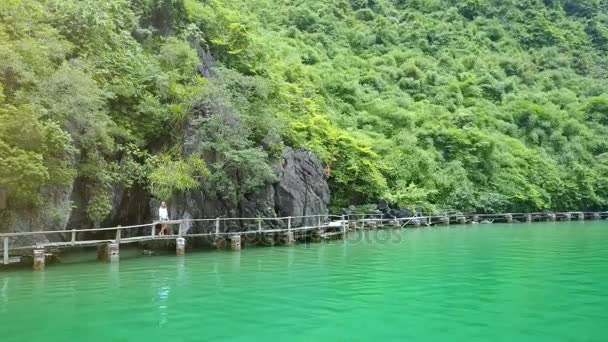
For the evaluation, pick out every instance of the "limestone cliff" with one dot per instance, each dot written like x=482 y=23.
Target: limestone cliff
x=301 y=189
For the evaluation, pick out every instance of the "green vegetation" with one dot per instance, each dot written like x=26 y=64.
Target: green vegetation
x=477 y=105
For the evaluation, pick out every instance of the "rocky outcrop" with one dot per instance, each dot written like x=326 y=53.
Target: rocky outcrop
x=53 y=215
x=301 y=189
x=129 y=206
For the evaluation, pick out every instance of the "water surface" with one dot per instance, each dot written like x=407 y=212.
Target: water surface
x=541 y=282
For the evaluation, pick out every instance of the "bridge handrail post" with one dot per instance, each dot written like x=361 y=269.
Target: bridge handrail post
x=153 y=233
x=217 y=227
x=289 y=223
x=118 y=234
x=73 y=240
x=5 y=243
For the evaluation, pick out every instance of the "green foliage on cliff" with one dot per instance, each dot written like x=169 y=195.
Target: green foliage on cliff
x=478 y=105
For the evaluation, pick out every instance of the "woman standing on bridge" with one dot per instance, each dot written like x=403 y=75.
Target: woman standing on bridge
x=163 y=215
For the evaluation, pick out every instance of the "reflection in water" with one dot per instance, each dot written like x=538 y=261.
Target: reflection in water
x=163 y=298
x=525 y=283
x=115 y=274
x=4 y=292
x=236 y=261
x=39 y=283
x=290 y=257
x=181 y=269
x=216 y=274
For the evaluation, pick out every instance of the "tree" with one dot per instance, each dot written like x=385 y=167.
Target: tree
x=236 y=165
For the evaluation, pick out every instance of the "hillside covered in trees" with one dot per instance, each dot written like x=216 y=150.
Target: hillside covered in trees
x=476 y=105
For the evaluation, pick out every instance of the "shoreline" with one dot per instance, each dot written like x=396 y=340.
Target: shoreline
x=233 y=233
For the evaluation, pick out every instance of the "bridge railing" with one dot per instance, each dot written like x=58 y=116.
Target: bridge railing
x=178 y=228
x=226 y=226
x=251 y=225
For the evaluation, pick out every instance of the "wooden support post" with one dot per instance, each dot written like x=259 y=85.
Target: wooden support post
x=5 y=248
x=102 y=252
x=108 y=252
x=319 y=222
x=289 y=238
x=235 y=242
x=217 y=227
x=446 y=220
x=153 y=232
x=180 y=246
x=39 y=260
x=114 y=250
x=529 y=218
x=289 y=223
x=118 y=235
x=316 y=235
x=372 y=223
x=509 y=218
x=259 y=225
x=581 y=216
x=352 y=224
x=344 y=226
x=73 y=240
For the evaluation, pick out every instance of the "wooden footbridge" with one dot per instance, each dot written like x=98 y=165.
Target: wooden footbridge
x=233 y=232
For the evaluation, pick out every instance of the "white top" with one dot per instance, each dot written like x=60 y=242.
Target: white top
x=163 y=214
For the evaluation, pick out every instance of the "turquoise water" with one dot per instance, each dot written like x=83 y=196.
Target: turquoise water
x=541 y=282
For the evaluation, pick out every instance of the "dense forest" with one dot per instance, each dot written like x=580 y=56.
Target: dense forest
x=476 y=105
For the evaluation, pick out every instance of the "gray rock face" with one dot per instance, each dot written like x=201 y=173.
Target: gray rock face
x=52 y=216
x=301 y=190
